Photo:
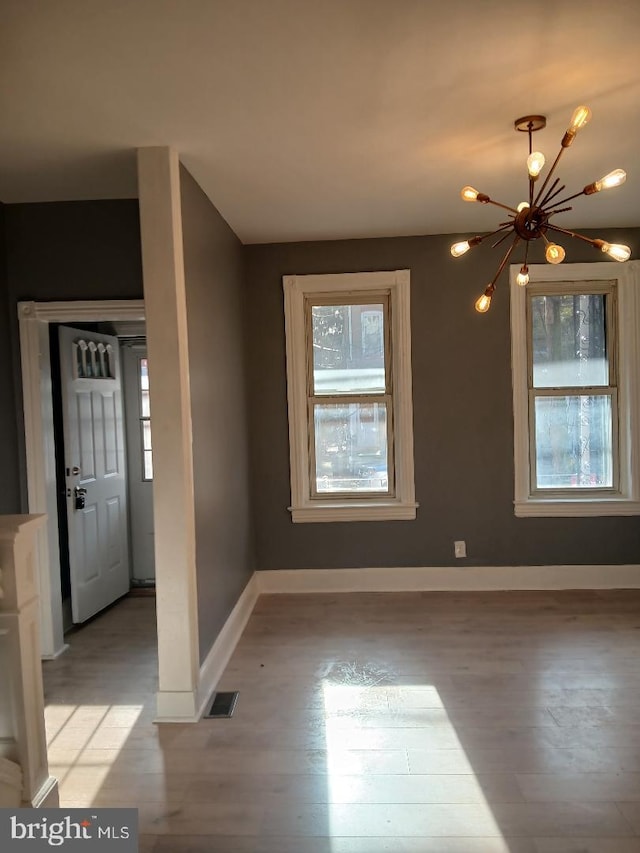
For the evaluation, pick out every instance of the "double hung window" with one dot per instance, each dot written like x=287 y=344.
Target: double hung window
x=574 y=358
x=349 y=392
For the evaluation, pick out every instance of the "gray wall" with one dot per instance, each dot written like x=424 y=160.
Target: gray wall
x=213 y=276
x=462 y=419
x=58 y=250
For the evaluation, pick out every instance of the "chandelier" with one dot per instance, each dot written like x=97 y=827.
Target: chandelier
x=532 y=220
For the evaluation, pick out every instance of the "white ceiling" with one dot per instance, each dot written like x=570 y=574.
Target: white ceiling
x=317 y=119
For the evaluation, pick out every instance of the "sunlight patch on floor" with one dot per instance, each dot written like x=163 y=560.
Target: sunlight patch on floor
x=359 y=727
x=74 y=729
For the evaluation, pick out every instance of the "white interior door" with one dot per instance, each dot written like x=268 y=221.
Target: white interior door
x=95 y=470
x=139 y=461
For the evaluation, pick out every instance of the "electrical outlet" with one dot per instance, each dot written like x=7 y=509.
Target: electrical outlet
x=460 y=548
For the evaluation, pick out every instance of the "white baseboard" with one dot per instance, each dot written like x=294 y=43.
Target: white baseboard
x=454 y=578
x=225 y=643
x=46 y=797
x=64 y=648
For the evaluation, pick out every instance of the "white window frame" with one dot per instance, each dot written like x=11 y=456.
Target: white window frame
x=625 y=499
x=305 y=507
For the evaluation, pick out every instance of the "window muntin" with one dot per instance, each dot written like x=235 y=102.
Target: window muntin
x=572 y=391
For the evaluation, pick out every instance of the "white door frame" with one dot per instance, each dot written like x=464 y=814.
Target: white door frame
x=34 y=319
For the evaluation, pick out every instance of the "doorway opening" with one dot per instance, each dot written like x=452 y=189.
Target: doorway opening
x=104 y=465
x=179 y=672
x=35 y=320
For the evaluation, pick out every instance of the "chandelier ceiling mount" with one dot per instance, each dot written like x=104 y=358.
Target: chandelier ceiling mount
x=528 y=124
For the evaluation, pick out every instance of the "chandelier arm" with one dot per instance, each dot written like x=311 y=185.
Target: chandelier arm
x=531 y=179
x=568 y=198
x=572 y=234
x=526 y=255
x=503 y=227
x=500 y=240
x=503 y=262
x=503 y=206
x=551 y=171
x=550 y=193
x=559 y=210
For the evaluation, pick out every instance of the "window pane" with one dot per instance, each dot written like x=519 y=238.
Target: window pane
x=569 y=341
x=148 y=465
x=351 y=448
x=145 y=409
x=348 y=349
x=146 y=435
x=573 y=442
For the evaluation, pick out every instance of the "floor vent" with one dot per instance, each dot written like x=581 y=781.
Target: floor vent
x=223 y=705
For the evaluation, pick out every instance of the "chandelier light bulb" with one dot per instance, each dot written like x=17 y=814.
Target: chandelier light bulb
x=523 y=277
x=580 y=117
x=523 y=206
x=463 y=246
x=535 y=163
x=469 y=194
x=613 y=179
x=483 y=304
x=459 y=249
x=555 y=254
x=616 y=251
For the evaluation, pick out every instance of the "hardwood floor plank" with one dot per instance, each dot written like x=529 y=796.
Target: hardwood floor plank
x=275 y=791
x=335 y=844
x=580 y=787
x=587 y=845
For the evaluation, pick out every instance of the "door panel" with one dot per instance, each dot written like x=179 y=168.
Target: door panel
x=90 y=567
x=94 y=462
x=114 y=525
x=85 y=436
x=109 y=434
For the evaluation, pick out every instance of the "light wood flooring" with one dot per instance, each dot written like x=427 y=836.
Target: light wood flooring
x=407 y=723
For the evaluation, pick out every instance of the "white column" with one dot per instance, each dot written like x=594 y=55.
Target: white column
x=22 y=720
x=173 y=498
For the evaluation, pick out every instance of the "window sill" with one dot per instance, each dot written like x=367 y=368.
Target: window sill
x=353 y=511
x=572 y=508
